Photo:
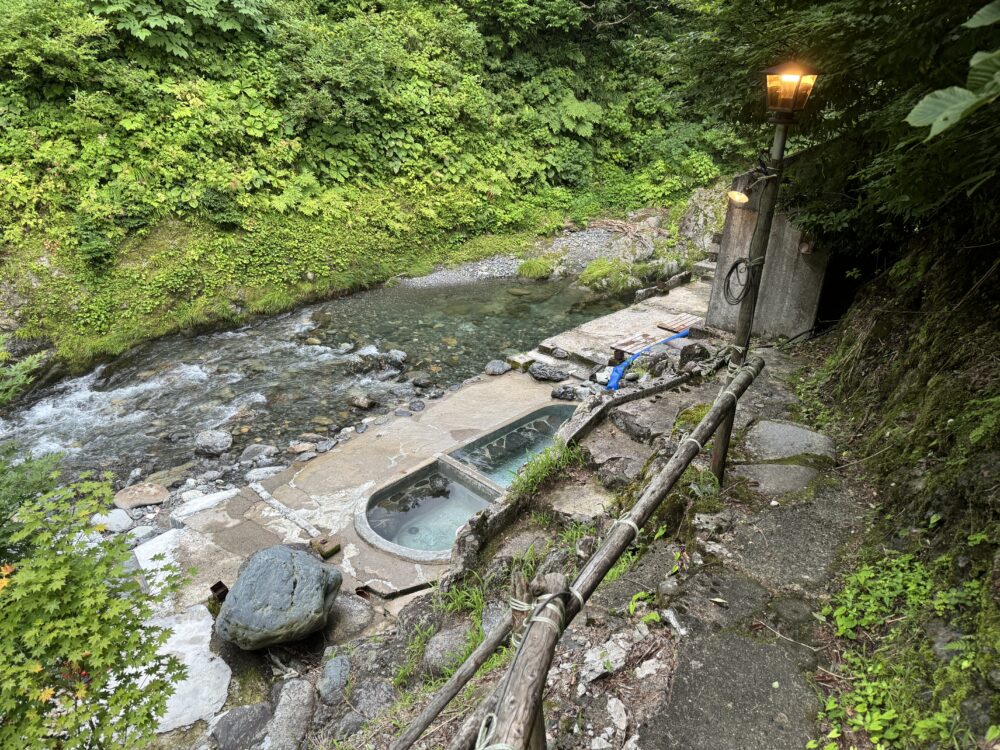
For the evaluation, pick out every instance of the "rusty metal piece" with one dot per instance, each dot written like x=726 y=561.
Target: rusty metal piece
x=325 y=546
x=219 y=591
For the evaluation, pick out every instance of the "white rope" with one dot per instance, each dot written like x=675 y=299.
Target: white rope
x=690 y=439
x=628 y=522
x=577 y=595
x=727 y=393
x=553 y=602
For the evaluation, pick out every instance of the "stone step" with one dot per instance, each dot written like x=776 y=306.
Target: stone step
x=575 y=368
x=705 y=269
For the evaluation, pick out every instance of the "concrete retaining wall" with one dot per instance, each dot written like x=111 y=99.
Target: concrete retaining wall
x=792 y=280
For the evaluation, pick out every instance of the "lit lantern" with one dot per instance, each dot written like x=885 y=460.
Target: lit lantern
x=789 y=85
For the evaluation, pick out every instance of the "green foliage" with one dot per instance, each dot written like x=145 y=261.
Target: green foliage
x=166 y=165
x=608 y=274
x=81 y=667
x=944 y=108
x=15 y=377
x=20 y=484
x=902 y=690
x=536 y=268
x=542 y=468
x=414 y=655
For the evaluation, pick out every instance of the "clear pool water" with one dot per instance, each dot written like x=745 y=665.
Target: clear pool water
x=426 y=514
x=499 y=456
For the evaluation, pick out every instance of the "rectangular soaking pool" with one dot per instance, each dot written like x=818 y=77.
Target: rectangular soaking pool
x=417 y=516
x=499 y=454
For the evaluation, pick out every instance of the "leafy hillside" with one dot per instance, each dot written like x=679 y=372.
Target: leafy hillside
x=171 y=163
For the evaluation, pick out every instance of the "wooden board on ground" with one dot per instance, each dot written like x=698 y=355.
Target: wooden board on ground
x=634 y=343
x=679 y=322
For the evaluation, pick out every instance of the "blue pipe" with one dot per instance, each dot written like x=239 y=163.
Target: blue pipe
x=619 y=372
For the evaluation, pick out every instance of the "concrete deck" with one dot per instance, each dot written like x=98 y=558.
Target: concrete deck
x=323 y=495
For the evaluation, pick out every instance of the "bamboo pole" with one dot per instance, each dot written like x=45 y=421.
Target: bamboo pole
x=755 y=270
x=521 y=693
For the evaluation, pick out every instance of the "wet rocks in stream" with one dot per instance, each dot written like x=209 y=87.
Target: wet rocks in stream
x=212 y=442
x=496 y=367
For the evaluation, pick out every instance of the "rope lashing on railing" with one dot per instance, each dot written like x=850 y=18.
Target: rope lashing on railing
x=690 y=439
x=626 y=521
x=554 y=603
x=516 y=605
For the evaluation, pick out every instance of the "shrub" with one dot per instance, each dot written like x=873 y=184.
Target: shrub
x=536 y=268
x=610 y=275
x=80 y=663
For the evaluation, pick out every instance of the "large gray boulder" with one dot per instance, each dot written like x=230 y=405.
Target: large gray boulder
x=280 y=596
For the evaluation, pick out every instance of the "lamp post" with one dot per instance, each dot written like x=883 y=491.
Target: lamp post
x=788 y=88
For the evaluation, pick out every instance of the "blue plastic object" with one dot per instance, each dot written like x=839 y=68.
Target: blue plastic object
x=619 y=372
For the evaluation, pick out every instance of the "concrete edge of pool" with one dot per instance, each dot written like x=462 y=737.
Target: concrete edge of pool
x=457 y=471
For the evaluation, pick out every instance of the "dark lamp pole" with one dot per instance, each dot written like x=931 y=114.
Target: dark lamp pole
x=788 y=88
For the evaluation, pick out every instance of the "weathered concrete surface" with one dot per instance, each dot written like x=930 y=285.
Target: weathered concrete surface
x=201 y=694
x=617 y=460
x=775 y=441
x=581 y=501
x=593 y=339
x=790 y=285
x=775 y=480
x=733 y=692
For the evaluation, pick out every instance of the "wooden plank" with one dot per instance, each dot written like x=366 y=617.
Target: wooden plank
x=679 y=322
x=634 y=343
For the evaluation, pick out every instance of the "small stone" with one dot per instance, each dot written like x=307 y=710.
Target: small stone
x=115 y=521
x=694 y=353
x=323 y=446
x=301 y=447
x=361 y=428
x=143 y=493
x=141 y=534
x=260 y=450
x=403 y=413
x=361 y=402
x=603 y=375
x=241 y=727
x=333 y=679
x=307 y=456
x=560 y=353
x=544 y=372
x=616 y=709
x=421 y=379
x=262 y=473
x=212 y=442
x=668 y=590
x=496 y=367
x=313 y=341
x=566 y=393
x=322 y=421
x=293 y=712
x=417 y=405
x=349 y=617
x=444 y=648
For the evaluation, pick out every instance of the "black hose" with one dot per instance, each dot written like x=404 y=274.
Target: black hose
x=739 y=271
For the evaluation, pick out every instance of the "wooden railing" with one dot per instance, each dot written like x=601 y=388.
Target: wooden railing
x=511 y=716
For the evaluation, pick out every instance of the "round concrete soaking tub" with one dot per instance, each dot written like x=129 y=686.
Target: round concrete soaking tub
x=417 y=516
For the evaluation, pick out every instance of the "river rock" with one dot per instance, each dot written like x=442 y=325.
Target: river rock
x=141 y=534
x=262 y=473
x=280 y=596
x=333 y=679
x=417 y=405
x=293 y=711
x=566 y=393
x=144 y=493
x=116 y=520
x=301 y=447
x=421 y=379
x=361 y=402
x=395 y=357
x=444 y=648
x=349 y=616
x=560 y=353
x=212 y=442
x=259 y=450
x=694 y=352
x=241 y=727
x=545 y=372
x=496 y=367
